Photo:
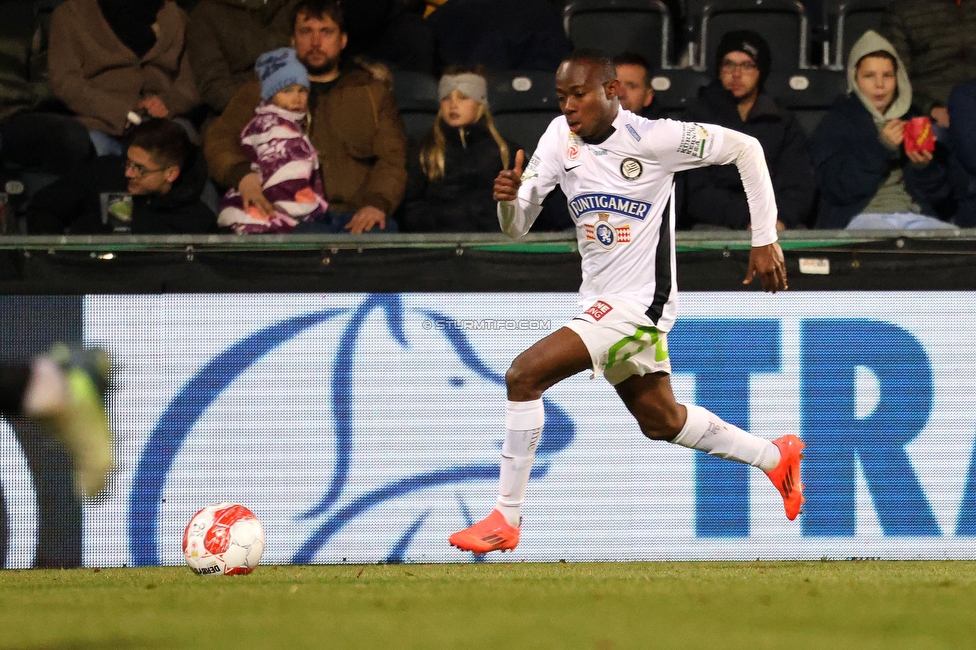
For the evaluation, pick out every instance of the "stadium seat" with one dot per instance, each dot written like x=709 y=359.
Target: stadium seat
x=847 y=20
x=676 y=89
x=783 y=23
x=523 y=104
x=808 y=93
x=417 y=101
x=617 y=26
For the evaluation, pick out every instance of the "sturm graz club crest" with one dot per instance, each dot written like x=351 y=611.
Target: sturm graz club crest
x=631 y=168
x=605 y=234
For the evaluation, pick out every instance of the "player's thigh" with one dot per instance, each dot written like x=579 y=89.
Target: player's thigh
x=548 y=361
x=651 y=401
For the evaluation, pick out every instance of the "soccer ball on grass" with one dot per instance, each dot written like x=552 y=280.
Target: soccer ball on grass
x=225 y=539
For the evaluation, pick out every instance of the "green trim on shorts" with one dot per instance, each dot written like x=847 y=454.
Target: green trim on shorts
x=656 y=339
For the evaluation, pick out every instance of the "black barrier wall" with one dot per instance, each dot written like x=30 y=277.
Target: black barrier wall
x=78 y=266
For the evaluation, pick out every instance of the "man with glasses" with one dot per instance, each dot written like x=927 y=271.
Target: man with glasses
x=714 y=197
x=153 y=189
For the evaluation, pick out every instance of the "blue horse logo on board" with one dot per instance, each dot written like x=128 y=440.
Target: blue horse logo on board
x=350 y=496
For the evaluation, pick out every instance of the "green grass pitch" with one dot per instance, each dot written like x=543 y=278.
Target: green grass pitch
x=835 y=605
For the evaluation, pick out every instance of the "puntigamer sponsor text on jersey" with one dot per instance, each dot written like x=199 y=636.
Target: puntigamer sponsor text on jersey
x=580 y=205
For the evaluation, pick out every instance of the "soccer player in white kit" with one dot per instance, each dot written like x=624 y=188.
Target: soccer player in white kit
x=616 y=168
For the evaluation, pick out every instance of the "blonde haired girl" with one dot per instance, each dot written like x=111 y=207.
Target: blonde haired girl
x=452 y=171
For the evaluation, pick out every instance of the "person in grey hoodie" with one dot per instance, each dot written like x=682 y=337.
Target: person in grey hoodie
x=866 y=179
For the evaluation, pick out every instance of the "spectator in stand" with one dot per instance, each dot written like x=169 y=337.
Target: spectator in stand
x=32 y=141
x=634 y=86
x=962 y=162
x=225 y=38
x=452 y=171
x=867 y=180
x=936 y=41
x=277 y=145
x=355 y=129
x=108 y=58
x=500 y=34
x=154 y=189
x=389 y=32
x=714 y=196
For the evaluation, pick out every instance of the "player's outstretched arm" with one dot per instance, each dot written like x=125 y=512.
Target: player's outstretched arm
x=768 y=262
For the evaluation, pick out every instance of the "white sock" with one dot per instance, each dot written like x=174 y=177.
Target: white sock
x=707 y=432
x=523 y=428
x=46 y=394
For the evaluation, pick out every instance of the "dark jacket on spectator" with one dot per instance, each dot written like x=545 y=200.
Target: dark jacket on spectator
x=852 y=162
x=73 y=202
x=101 y=79
x=225 y=38
x=715 y=196
x=962 y=131
x=500 y=34
x=462 y=200
x=20 y=75
x=356 y=130
x=654 y=110
x=936 y=40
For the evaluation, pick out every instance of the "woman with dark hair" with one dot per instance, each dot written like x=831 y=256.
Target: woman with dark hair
x=450 y=175
x=867 y=180
x=110 y=58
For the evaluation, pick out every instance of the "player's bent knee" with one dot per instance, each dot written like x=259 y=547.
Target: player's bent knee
x=658 y=433
x=663 y=425
x=522 y=384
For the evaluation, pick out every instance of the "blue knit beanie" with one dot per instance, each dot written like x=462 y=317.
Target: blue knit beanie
x=279 y=69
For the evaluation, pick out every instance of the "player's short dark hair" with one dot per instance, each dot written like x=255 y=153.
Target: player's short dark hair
x=164 y=140
x=633 y=58
x=595 y=57
x=319 y=9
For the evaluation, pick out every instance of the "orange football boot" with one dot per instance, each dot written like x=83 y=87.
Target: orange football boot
x=786 y=475
x=492 y=533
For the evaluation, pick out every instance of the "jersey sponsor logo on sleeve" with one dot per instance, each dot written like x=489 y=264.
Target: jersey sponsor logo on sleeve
x=598 y=310
x=598 y=202
x=605 y=234
x=532 y=169
x=633 y=132
x=631 y=168
x=695 y=140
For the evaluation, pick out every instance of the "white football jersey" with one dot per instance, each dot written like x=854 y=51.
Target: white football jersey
x=621 y=199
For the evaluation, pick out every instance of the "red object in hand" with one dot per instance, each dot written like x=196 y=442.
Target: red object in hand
x=919 y=135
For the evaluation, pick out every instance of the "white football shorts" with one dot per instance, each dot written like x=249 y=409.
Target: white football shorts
x=621 y=341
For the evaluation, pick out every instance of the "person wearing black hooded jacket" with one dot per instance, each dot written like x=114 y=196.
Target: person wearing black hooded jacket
x=450 y=174
x=154 y=189
x=714 y=196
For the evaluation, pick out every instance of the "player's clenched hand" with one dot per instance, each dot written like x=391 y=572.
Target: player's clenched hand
x=508 y=180
x=769 y=263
